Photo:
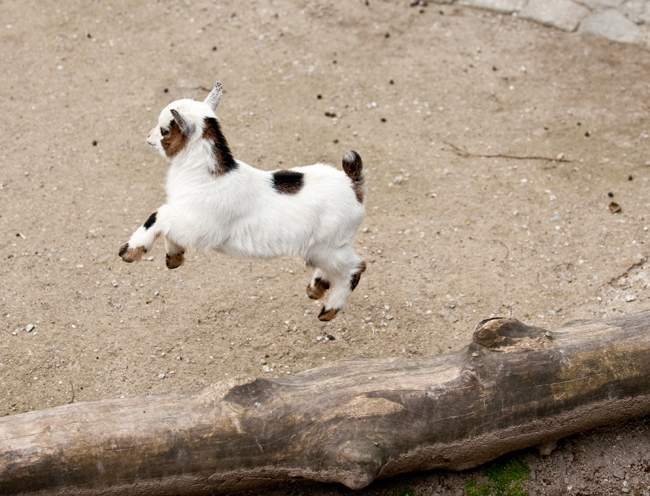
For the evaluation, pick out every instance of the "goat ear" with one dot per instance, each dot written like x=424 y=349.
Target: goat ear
x=214 y=97
x=185 y=125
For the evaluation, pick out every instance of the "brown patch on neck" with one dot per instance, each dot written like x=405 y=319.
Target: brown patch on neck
x=175 y=140
x=288 y=182
x=220 y=149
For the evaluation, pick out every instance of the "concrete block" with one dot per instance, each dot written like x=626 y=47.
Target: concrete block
x=563 y=14
x=613 y=25
x=503 y=6
x=601 y=4
x=637 y=11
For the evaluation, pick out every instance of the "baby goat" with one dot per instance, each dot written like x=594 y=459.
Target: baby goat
x=215 y=201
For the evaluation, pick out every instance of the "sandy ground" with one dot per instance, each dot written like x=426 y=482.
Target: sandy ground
x=450 y=239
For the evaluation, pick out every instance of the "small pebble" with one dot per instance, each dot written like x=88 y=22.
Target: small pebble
x=610 y=194
x=557 y=218
x=614 y=207
x=161 y=375
x=30 y=327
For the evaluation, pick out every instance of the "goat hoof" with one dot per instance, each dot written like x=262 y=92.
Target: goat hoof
x=175 y=261
x=326 y=315
x=317 y=291
x=130 y=255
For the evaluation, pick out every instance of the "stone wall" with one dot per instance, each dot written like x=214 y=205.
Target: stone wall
x=626 y=21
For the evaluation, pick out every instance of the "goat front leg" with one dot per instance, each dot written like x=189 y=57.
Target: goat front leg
x=142 y=239
x=175 y=254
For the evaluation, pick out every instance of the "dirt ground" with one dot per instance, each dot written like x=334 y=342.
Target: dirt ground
x=450 y=238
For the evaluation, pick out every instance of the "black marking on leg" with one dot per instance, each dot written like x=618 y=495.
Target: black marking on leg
x=357 y=276
x=124 y=249
x=327 y=314
x=130 y=255
x=150 y=221
x=318 y=289
x=288 y=182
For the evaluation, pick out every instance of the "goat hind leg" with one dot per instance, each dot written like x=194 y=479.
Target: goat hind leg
x=318 y=285
x=342 y=287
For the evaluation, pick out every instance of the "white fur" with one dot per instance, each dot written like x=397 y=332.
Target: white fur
x=240 y=213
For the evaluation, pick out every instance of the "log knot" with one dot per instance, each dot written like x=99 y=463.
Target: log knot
x=501 y=332
x=358 y=463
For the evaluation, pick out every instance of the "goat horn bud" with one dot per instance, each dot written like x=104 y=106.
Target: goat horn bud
x=214 y=97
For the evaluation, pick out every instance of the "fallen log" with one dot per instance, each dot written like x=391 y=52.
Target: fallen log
x=350 y=421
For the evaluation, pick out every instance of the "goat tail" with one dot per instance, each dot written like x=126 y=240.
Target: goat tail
x=352 y=166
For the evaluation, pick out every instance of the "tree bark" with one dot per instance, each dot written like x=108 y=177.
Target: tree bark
x=351 y=421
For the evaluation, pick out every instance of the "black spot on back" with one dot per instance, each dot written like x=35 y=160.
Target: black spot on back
x=220 y=148
x=150 y=221
x=288 y=182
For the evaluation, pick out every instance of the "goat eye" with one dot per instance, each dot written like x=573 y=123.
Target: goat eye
x=164 y=131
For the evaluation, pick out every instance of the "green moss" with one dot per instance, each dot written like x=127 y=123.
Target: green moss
x=473 y=489
x=407 y=492
x=505 y=477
